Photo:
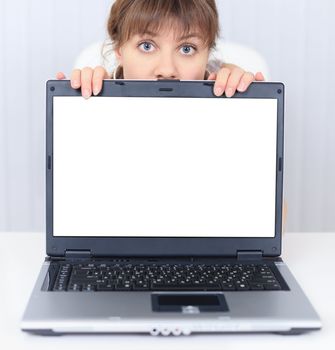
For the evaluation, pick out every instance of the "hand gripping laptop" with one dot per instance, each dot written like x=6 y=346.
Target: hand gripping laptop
x=164 y=213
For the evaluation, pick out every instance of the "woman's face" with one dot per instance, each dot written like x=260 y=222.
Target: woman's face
x=163 y=55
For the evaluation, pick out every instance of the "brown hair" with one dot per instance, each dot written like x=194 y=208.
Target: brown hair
x=130 y=17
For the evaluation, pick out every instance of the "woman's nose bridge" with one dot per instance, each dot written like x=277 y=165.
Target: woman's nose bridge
x=166 y=63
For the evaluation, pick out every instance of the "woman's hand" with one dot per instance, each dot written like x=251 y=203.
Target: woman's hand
x=231 y=78
x=88 y=79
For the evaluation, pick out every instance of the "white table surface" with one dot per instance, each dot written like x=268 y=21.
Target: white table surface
x=308 y=255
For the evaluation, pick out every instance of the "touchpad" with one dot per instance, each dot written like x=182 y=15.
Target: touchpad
x=188 y=303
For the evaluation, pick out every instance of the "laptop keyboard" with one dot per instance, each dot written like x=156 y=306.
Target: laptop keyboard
x=165 y=277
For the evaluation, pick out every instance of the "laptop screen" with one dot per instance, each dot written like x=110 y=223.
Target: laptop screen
x=164 y=167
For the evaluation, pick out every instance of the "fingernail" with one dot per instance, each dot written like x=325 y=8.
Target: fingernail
x=76 y=83
x=95 y=91
x=87 y=93
x=218 y=91
x=241 y=87
x=229 y=92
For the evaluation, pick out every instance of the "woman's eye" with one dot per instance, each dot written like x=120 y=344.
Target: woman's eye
x=146 y=46
x=188 y=50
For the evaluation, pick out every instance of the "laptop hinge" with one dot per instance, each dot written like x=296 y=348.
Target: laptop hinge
x=249 y=255
x=78 y=254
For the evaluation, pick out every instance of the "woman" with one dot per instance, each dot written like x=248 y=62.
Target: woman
x=164 y=39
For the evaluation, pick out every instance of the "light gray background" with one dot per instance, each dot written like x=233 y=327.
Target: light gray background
x=40 y=37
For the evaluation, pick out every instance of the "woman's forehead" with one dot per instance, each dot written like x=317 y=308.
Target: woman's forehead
x=166 y=30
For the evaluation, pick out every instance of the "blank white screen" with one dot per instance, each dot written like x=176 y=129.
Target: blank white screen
x=164 y=167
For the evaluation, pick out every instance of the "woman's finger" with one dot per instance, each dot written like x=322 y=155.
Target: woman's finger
x=212 y=76
x=221 y=81
x=60 y=76
x=246 y=80
x=259 y=76
x=86 y=82
x=99 y=75
x=233 y=81
x=76 y=79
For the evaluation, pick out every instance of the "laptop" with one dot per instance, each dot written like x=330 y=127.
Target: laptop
x=164 y=213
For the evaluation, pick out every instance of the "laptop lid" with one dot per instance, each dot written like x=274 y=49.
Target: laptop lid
x=164 y=168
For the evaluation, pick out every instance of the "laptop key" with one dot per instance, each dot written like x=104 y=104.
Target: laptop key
x=242 y=286
x=123 y=287
x=141 y=286
x=88 y=288
x=105 y=288
x=256 y=286
x=228 y=286
x=272 y=286
x=74 y=288
x=59 y=288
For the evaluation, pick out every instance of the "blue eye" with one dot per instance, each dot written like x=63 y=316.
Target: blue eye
x=146 y=46
x=188 y=50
